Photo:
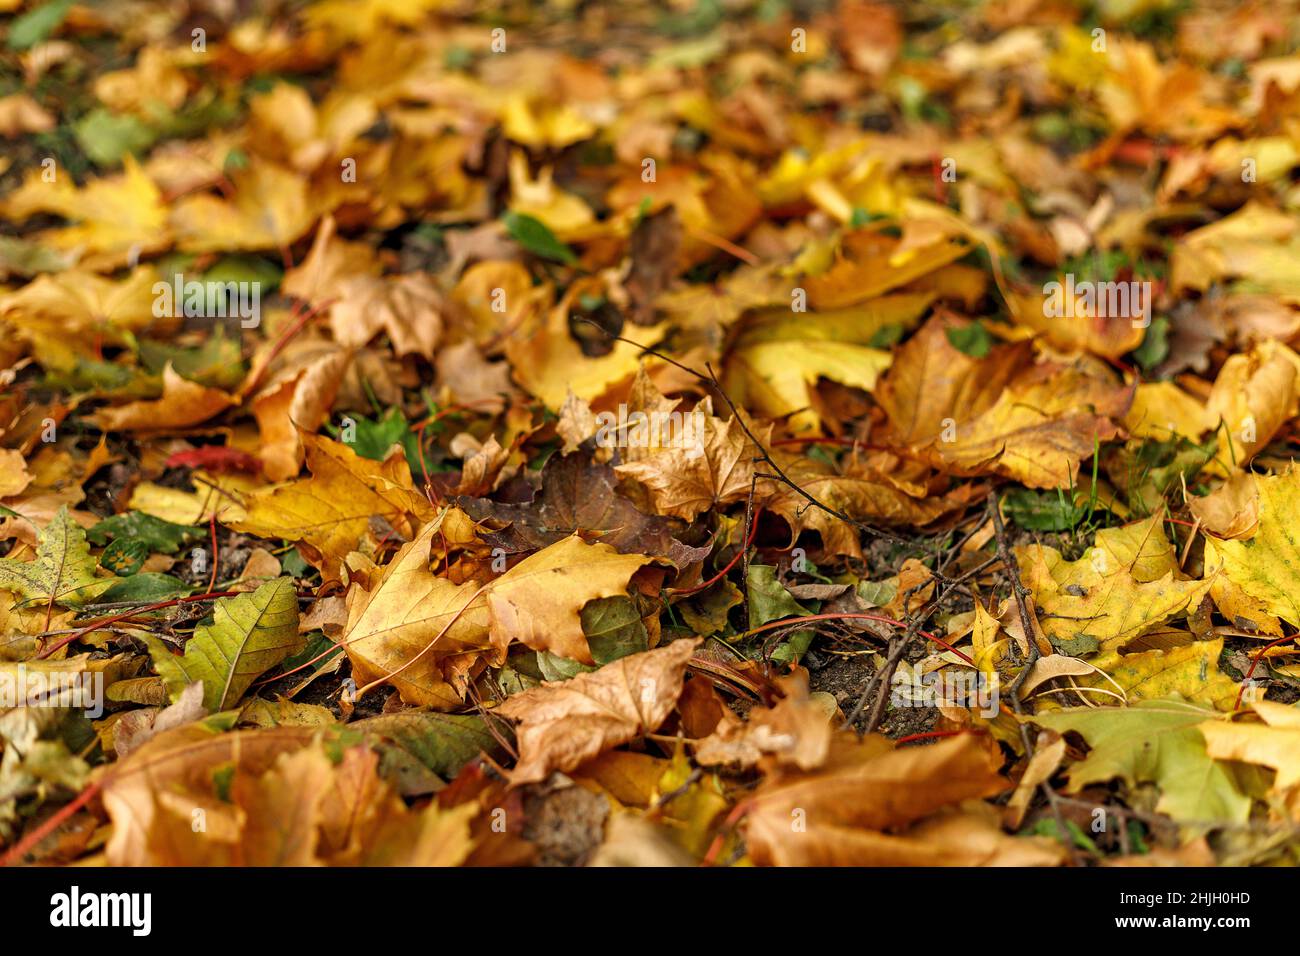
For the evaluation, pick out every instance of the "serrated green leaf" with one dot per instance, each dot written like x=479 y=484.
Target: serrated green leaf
x=249 y=634
x=63 y=569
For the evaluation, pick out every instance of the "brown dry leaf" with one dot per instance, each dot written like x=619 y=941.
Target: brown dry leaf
x=136 y=727
x=61 y=315
x=1231 y=510
x=317 y=279
x=152 y=85
x=578 y=495
x=14 y=476
x=869 y=497
x=472 y=380
x=404 y=625
x=839 y=816
x=485 y=464
x=1162 y=411
x=564 y=724
x=1044 y=423
x=116 y=216
x=538 y=601
x=297 y=403
x=146 y=795
x=1087 y=329
x=711 y=464
x=408 y=308
x=1048 y=754
x=872 y=264
x=1274 y=743
x=634 y=841
x=288 y=804
x=931 y=384
x=20 y=114
x=272 y=207
x=549 y=364
x=1253 y=396
x=796 y=732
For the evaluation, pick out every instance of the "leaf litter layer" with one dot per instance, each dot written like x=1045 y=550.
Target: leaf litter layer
x=694 y=434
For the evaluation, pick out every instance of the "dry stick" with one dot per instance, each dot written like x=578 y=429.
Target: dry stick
x=1155 y=819
x=749 y=539
x=96 y=625
x=896 y=651
x=1026 y=621
x=744 y=548
x=19 y=849
x=887 y=676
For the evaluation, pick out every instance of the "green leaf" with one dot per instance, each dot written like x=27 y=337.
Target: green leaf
x=614 y=629
x=535 y=236
x=106 y=137
x=26 y=258
x=791 y=650
x=553 y=667
x=154 y=533
x=1042 y=510
x=63 y=569
x=877 y=593
x=1154 y=741
x=1155 y=345
x=147 y=588
x=249 y=634
x=35 y=25
x=375 y=436
x=887 y=336
x=217 y=363
x=124 y=556
x=973 y=340
x=105 y=379
x=768 y=598
x=443 y=743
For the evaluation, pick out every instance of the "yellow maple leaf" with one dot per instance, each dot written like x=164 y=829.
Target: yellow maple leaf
x=1265 y=566
x=778 y=358
x=1044 y=423
x=270 y=210
x=1126 y=585
x=331 y=511
x=116 y=216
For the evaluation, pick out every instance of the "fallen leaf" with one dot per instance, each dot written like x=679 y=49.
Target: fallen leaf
x=563 y=724
x=183 y=404
x=1154 y=741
